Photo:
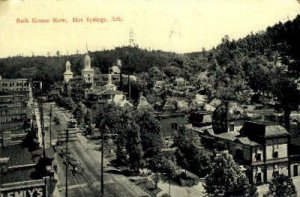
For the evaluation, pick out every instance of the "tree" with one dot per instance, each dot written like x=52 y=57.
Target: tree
x=172 y=71
x=78 y=85
x=287 y=95
x=227 y=178
x=134 y=146
x=151 y=137
x=121 y=122
x=282 y=186
x=116 y=119
x=190 y=155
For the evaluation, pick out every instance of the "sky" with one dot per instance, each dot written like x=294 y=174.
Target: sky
x=170 y=25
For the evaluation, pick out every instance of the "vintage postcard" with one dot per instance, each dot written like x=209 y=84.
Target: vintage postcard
x=164 y=98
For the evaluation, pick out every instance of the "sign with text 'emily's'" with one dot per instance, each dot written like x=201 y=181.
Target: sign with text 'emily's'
x=34 y=190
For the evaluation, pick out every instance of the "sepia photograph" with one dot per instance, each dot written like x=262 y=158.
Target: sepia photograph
x=150 y=98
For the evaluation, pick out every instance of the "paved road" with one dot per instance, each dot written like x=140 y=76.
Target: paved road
x=86 y=181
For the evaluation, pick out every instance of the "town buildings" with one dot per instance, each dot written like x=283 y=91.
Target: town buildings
x=17 y=163
x=14 y=110
x=14 y=85
x=94 y=79
x=262 y=148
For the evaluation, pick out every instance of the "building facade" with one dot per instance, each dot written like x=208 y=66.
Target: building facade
x=68 y=74
x=262 y=148
x=88 y=72
x=14 y=86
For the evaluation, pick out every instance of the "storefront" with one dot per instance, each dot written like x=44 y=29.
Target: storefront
x=36 y=188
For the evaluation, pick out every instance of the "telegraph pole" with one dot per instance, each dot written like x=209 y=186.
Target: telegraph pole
x=102 y=162
x=42 y=126
x=67 y=160
x=50 y=132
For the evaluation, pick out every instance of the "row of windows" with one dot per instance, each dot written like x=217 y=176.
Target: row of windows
x=16 y=89
x=13 y=84
x=258 y=175
x=259 y=158
x=174 y=126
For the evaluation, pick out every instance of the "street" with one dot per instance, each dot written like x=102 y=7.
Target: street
x=85 y=180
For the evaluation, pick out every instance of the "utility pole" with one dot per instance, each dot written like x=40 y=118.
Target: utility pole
x=50 y=132
x=67 y=160
x=2 y=140
x=42 y=126
x=1 y=174
x=102 y=162
x=129 y=86
x=169 y=187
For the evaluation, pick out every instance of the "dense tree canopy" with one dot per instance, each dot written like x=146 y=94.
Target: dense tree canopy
x=282 y=186
x=190 y=155
x=151 y=137
x=227 y=179
x=235 y=69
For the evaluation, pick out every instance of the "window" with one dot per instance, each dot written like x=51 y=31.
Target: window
x=275 y=171
x=174 y=126
x=231 y=127
x=258 y=157
x=258 y=177
x=276 y=144
x=275 y=154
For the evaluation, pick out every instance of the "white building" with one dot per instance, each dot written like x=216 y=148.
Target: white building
x=68 y=74
x=88 y=71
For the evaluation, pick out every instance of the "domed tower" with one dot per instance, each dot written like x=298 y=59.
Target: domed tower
x=87 y=62
x=68 y=74
x=88 y=71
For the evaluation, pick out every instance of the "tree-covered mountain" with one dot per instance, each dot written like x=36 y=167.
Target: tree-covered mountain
x=235 y=69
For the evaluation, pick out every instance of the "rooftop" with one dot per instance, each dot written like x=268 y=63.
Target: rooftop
x=18 y=155
x=17 y=79
x=109 y=92
x=18 y=175
x=263 y=129
x=246 y=141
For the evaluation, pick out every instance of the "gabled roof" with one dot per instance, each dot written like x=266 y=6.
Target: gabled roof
x=109 y=92
x=263 y=130
x=246 y=141
x=275 y=130
x=144 y=105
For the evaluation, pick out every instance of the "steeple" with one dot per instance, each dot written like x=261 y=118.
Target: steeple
x=87 y=62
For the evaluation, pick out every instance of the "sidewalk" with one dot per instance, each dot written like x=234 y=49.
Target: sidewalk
x=56 y=192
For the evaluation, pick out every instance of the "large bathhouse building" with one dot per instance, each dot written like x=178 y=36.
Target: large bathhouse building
x=262 y=148
x=93 y=76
